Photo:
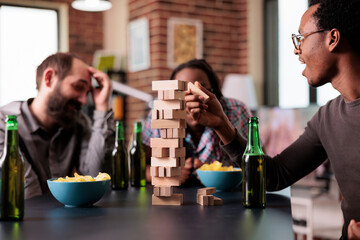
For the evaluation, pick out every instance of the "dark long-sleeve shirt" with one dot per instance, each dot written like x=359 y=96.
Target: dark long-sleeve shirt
x=333 y=133
x=47 y=155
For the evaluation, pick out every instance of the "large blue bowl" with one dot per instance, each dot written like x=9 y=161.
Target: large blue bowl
x=222 y=180
x=78 y=194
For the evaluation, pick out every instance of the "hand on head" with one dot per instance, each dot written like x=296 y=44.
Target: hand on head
x=101 y=95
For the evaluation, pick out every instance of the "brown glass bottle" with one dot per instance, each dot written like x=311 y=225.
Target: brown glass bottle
x=12 y=174
x=120 y=170
x=137 y=159
x=254 y=169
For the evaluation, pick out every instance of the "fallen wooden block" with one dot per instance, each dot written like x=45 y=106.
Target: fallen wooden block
x=163 y=191
x=197 y=91
x=165 y=181
x=218 y=201
x=166 y=143
x=169 y=85
x=173 y=123
x=175 y=199
x=206 y=191
x=206 y=200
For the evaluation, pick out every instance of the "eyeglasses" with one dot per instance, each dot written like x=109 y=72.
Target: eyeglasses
x=297 y=39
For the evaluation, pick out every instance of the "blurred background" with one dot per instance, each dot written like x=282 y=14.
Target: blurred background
x=247 y=42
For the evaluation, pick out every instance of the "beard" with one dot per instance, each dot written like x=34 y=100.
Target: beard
x=64 y=111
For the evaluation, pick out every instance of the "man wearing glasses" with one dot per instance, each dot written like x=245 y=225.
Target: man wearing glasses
x=328 y=44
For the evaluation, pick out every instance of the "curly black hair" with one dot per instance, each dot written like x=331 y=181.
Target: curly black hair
x=205 y=67
x=343 y=15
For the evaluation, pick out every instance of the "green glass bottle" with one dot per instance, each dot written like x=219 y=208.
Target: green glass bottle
x=12 y=174
x=120 y=170
x=254 y=169
x=137 y=159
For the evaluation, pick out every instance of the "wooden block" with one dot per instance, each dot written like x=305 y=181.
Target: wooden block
x=166 y=143
x=218 y=201
x=179 y=132
x=182 y=162
x=165 y=181
x=154 y=171
x=154 y=114
x=169 y=133
x=174 y=114
x=175 y=199
x=156 y=191
x=160 y=152
x=206 y=200
x=163 y=191
x=163 y=133
x=173 y=123
x=161 y=172
x=196 y=91
x=172 y=171
x=161 y=94
x=169 y=104
x=173 y=94
x=206 y=191
x=177 y=152
x=167 y=162
x=169 y=85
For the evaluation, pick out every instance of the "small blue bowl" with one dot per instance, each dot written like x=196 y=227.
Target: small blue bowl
x=222 y=180
x=78 y=194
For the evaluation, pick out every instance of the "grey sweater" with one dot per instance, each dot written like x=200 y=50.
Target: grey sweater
x=333 y=133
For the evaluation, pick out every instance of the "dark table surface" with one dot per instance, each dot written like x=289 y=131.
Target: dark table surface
x=130 y=215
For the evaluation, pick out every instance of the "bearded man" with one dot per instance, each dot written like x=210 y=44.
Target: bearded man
x=55 y=137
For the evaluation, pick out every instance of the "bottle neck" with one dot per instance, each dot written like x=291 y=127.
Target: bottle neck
x=253 y=141
x=119 y=135
x=11 y=140
x=137 y=133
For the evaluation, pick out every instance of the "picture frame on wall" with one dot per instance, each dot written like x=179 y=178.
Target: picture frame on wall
x=184 y=40
x=138 y=41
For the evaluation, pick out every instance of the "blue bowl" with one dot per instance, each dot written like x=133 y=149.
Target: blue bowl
x=222 y=180
x=78 y=194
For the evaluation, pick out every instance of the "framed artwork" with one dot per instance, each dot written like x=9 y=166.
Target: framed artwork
x=139 y=50
x=106 y=60
x=184 y=40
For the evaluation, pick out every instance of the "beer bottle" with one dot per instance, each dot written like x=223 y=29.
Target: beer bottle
x=137 y=159
x=12 y=174
x=120 y=171
x=254 y=169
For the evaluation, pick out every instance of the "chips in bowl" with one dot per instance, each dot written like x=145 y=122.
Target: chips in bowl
x=217 y=166
x=79 y=191
x=79 y=178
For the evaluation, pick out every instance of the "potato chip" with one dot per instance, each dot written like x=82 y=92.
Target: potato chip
x=86 y=178
x=217 y=166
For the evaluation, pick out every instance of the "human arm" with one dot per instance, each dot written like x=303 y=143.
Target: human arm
x=101 y=95
x=97 y=142
x=209 y=114
x=354 y=230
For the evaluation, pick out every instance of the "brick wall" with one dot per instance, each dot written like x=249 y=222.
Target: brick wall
x=224 y=40
x=85 y=31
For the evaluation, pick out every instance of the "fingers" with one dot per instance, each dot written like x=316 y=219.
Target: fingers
x=188 y=163
x=197 y=163
x=354 y=230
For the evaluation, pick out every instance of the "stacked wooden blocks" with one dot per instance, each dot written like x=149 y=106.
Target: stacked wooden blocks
x=204 y=197
x=168 y=152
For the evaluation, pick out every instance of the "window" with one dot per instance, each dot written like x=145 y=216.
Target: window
x=293 y=88
x=27 y=36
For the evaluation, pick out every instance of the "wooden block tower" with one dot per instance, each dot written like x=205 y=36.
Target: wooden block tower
x=168 y=152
